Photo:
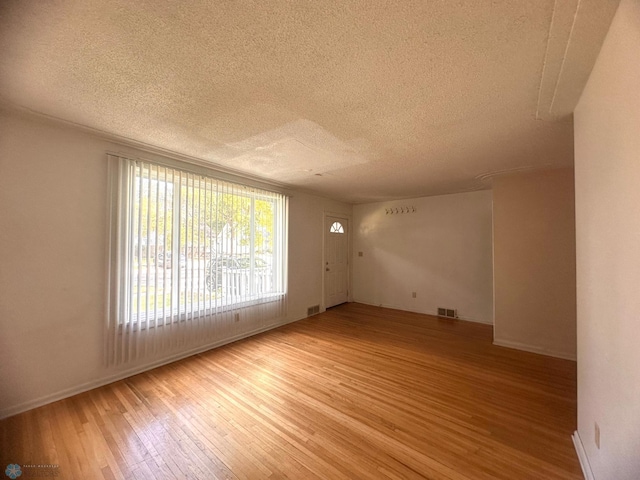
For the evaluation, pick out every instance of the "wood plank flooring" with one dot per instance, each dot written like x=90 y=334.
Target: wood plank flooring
x=355 y=393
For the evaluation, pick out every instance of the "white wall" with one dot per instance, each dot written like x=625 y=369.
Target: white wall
x=53 y=197
x=607 y=170
x=442 y=252
x=306 y=219
x=534 y=266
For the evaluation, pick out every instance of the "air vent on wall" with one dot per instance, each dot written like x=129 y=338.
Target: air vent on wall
x=447 y=312
x=313 y=310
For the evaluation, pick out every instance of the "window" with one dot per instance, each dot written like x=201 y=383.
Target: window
x=336 y=227
x=190 y=246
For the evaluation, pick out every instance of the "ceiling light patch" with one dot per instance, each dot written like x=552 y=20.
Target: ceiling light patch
x=295 y=151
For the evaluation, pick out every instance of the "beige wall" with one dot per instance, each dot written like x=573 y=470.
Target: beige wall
x=53 y=194
x=607 y=146
x=534 y=262
x=442 y=252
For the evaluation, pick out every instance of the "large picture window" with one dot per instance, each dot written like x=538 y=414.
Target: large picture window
x=190 y=246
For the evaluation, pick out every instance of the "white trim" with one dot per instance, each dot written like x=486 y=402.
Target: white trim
x=69 y=392
x=422 y=312
x=582 y=456
x=534 y=349
x=493 y=267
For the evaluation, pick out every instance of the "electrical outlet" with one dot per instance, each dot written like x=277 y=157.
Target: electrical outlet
x=236 y=317
x=597 y=435
x=414 y=294
x=360 y=254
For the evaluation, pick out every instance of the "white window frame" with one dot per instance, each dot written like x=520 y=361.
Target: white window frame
x=121 y=246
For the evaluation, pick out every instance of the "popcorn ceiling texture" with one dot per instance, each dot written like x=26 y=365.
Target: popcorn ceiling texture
x=384 y=99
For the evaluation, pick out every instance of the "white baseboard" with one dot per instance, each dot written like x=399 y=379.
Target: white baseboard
x=433 y=314
x=534 y=349
x=582 y=456
x=69 y=392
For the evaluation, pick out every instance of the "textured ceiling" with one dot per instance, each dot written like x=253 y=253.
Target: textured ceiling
x=356 y=100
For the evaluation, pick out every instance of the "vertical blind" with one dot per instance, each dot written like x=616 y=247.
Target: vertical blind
x=193 y=260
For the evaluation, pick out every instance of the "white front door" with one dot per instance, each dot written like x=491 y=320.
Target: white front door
x=336 y=259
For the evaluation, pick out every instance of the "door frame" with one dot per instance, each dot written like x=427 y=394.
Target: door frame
x=347 y=216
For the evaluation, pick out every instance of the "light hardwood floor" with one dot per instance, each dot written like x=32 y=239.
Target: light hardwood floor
x=357 y=392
